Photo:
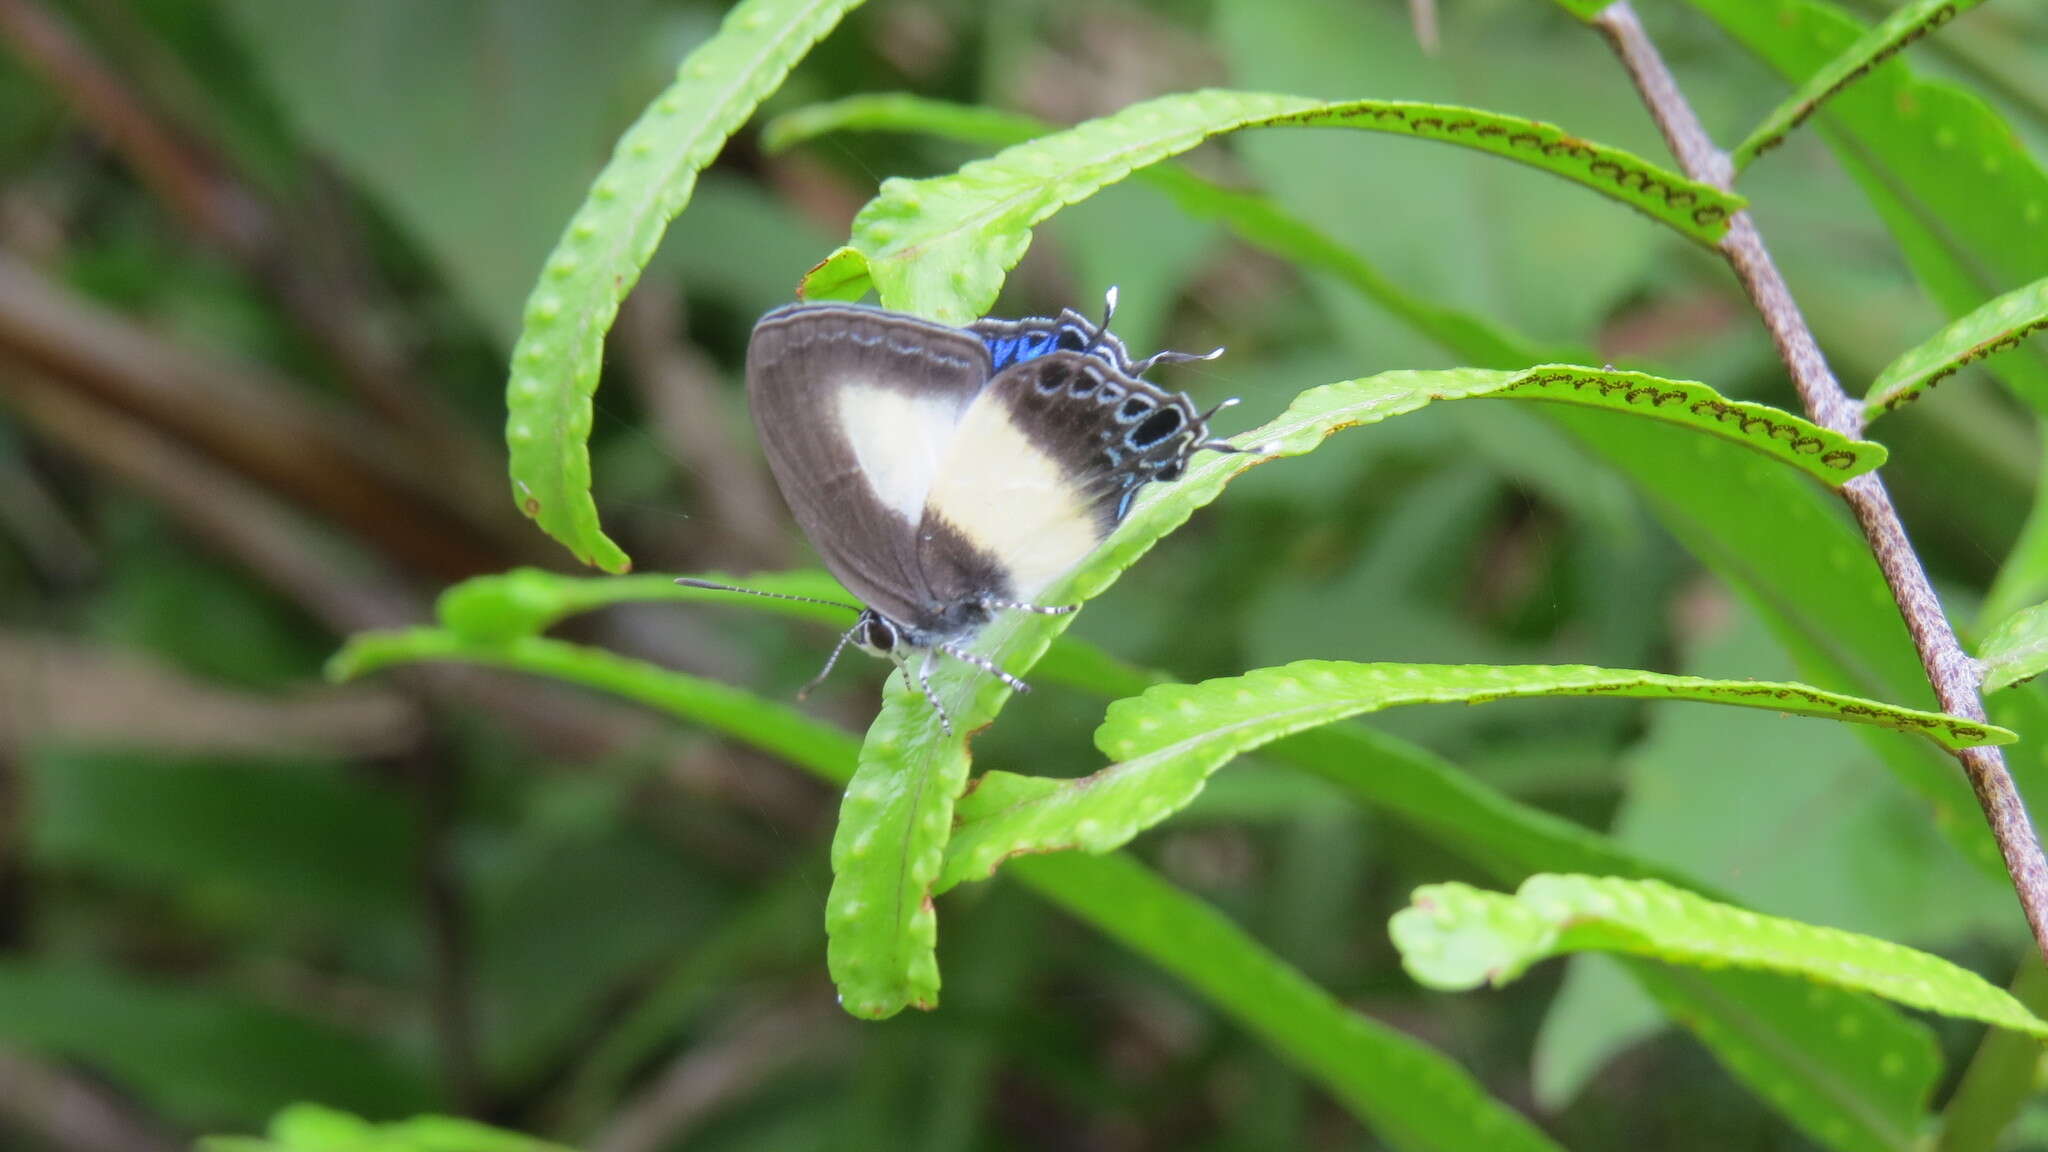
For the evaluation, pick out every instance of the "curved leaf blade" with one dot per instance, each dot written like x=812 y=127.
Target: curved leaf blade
x=939 y=247
x=608 y=241
x=1415 y=1099
x=901 y=112
x=2017 y=650
x=1824 y=454
x=316 y=1128
x=766 y=724
x=1253 y=218
x=1851 y=1071
x=1169 y=740
x=1457 y=937
x=1998 y=325
x=1889 y=38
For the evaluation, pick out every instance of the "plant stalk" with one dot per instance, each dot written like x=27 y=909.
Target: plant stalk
x=1953 y=674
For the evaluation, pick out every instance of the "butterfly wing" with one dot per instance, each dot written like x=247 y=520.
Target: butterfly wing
x=855 y=409
x=1041 y=468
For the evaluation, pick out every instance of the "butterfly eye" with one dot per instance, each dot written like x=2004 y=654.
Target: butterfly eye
x=1156 y=427
x=880 y=635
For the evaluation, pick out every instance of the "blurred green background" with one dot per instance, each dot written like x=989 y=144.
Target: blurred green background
x=260 y=265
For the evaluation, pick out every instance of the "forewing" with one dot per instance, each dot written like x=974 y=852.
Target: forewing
x=855 y=408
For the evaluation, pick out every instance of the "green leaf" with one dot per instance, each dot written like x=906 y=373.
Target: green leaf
x=1993 y=328
x=901 y=112
x=2017 y=650
x=1254 y=218
x=1413 y=1098
x=313 y=1128
x=199 y=1057
x=271 y=842
x=1457 y=937
x=1900 y=29
x=939 y=247
x=1168 y=741
x=1849 y=1070
x=768 y=725
x=599 y=257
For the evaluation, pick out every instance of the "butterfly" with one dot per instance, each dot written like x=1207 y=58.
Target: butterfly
x=948 y=474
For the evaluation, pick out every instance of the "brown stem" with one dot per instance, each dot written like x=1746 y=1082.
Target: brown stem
x=70 y=1113
x=1953 y=674
x=247 y=418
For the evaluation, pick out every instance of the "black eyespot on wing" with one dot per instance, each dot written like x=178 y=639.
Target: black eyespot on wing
x=1156 y=427
x=1085 y=381
x=1072 y=339
x=1133 y=408
x=1171 y=471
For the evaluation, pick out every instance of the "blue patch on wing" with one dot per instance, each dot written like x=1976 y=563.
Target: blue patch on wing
x=1004 y=351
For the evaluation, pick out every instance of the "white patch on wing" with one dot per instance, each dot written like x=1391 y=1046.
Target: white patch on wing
x=898 y=438
x=1011 y=500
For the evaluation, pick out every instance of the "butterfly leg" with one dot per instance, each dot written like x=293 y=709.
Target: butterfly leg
x=845 y=638
x=924 y=680
x=986 y=665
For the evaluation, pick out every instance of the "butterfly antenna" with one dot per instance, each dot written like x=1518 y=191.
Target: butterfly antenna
x=690 y=582
x=845 y=638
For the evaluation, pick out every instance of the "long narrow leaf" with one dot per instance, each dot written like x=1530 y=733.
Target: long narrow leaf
x=610 y=239
x=313 y=1128
x=774 y=727
x=939 y=247
x=1454 y=936
x=1991 y=329
x=1168 y=741
x=1873 y=48
x=1253 y=218
x=1417 y=1100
